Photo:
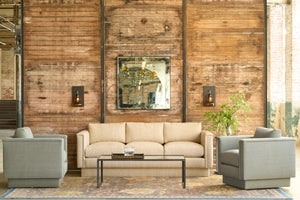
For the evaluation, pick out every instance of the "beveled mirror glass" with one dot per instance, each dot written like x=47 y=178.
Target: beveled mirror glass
x=143 y=82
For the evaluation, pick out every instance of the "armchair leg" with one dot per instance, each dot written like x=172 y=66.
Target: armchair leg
x=257 y=184
x=35 y=182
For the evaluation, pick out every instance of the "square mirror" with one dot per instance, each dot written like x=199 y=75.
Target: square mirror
x=143 y=82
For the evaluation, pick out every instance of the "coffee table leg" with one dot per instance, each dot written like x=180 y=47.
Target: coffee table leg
x=101 y=171
x=183 y=174
x=98 y=174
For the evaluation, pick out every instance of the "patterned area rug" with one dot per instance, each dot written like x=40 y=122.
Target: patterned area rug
x=143 y=188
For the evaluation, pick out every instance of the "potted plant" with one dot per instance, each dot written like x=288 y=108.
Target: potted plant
x=227 y=119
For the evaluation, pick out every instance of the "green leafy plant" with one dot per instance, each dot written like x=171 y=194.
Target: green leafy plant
x=229 y=115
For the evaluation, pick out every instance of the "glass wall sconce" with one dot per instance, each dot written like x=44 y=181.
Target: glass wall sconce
x=77 y=96
x=209 y=96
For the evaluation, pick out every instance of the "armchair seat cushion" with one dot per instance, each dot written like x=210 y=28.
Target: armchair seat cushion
x=230 y=157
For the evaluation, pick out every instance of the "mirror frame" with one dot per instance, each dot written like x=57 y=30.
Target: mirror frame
x=140 y=62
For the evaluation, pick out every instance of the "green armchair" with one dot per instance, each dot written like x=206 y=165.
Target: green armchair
x=266 y=160
x=34 y=161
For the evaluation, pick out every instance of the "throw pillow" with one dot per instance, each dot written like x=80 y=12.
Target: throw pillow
x=267 y=133
x=24 y=132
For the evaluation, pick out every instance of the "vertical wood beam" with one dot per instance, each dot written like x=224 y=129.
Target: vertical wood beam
x=20 y=77
x=0 y=72
x=184 y=88
x=102 y=62
x=267 y=66
x=266 y=47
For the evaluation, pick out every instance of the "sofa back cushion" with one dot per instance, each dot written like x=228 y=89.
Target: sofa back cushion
x=149 y=132
x=174 y=132
x=262 y=132
x=107 y=132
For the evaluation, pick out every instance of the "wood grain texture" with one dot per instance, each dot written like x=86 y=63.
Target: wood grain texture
x=225 y=48
x=137 y=28
x=61 y=50
x=7 y=75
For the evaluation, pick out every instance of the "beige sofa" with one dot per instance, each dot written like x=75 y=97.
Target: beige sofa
x=186 y=139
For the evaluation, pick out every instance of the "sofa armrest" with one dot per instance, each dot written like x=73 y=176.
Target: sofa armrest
x=224 y=143
x=266 y=158
x=33 y=158
x=83 y=140
x=208 y=144
x=64 y=137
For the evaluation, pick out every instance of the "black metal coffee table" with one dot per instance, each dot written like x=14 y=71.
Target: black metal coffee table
x=180 y=158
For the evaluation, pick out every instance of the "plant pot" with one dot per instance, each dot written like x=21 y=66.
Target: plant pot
x=228 y=131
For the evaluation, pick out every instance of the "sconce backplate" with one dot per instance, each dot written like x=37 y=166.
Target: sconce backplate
x=80 y=90
x=206 y=90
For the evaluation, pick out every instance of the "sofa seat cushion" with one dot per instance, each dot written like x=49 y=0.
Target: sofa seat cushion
x=188 y=149
x=102 y=148
x=176 y=132
x=107 y=132
x=151 y=132
x=147 y=148
x=230 y=157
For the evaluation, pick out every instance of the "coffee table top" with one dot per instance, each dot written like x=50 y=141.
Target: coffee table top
x=148 y=158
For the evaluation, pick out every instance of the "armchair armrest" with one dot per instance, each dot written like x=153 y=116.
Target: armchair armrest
x=207 y=142
x=266 y=158
x=224 y=143
x=55 y=136
x=83 y=140
x=33 y=158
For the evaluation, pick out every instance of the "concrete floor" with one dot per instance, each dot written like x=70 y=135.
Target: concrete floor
x=292 y=191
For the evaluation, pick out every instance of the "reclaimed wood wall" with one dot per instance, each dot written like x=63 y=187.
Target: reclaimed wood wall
x=225 y=48
x=7 y=75
x=143 y=28
x=62 y=49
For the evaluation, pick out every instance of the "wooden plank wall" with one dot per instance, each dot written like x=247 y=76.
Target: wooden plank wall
x=62 y=49
x=225 y=48
x=7 y=75
x=137 y=28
